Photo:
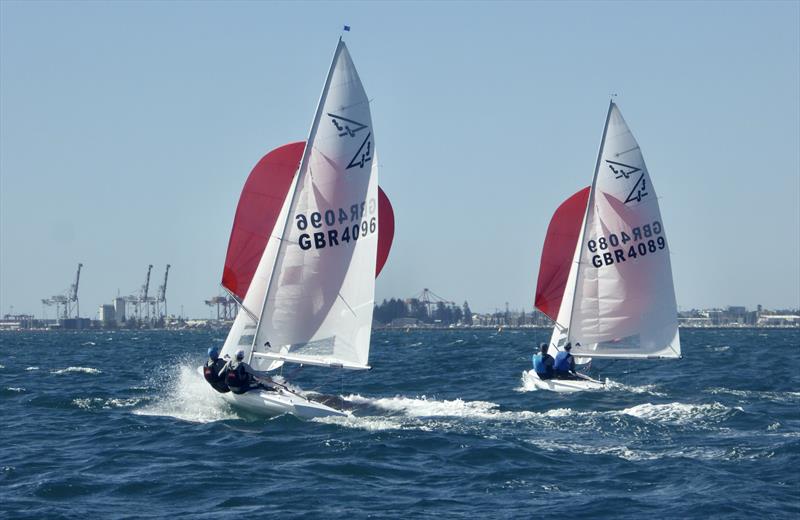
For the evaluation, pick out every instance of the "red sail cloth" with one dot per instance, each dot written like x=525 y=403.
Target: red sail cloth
x=558 y=252
x=259 y=206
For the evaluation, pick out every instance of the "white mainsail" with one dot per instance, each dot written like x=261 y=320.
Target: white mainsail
x=313 y=291
x=619 y=299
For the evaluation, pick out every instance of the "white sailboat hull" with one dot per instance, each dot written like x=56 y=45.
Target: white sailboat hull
x=561 y=385
x=271 y=404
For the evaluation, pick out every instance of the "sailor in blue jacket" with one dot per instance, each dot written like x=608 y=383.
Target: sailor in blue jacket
x=565 y=363
x=543 y=363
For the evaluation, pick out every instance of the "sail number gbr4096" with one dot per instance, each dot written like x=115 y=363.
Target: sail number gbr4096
x=614 y=249
x=360 y=221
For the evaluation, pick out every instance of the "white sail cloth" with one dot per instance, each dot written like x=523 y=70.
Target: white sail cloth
x=317 y=274
x=620 y=299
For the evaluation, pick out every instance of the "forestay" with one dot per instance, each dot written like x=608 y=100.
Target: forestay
x=319 y=298
x=619 y=299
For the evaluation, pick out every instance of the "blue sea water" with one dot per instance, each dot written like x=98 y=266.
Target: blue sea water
x=120 y=425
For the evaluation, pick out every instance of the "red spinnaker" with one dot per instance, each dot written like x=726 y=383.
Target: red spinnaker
x=558 y=251
x=259 y=206
x=385 y=230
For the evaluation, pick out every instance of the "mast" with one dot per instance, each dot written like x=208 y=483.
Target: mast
x=589 y=205
x=297 y=179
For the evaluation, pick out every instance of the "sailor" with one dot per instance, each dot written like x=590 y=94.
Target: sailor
x=241 y=377
x=543 y=363
x=565 y=363
x=212 y=369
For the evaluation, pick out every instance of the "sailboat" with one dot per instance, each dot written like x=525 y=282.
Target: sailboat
x=605 y=277
x=312 y=231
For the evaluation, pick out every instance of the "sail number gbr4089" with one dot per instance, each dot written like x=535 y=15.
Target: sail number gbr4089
x=360 y=221
x=614 y=249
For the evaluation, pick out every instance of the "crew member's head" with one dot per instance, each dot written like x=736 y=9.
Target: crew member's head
x=568 y=347
x=239 y=355
x=543 y=348
x=213 y=353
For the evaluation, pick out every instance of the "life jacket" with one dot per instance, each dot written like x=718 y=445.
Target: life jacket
x=237 y=378
x=563 y=362
x=543 y=369
x=211 y=372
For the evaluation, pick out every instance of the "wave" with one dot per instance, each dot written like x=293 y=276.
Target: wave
x=612 y=385
x=93 y=403
x=29 y=369
x=637 y=454
x=188 y=397
x=88 y=344
x=16 y=389
x=681 y=413
x=780 y=397
x=70 y=370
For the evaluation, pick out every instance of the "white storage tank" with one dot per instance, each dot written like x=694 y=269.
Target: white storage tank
x=119 y=309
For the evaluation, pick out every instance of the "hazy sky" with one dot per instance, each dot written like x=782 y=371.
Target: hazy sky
x=128 y=128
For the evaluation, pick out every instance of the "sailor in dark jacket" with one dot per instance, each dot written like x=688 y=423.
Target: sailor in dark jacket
x=212 y=370
x=241 y=377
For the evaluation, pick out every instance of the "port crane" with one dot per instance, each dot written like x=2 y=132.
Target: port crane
x=431 y=300
x=141 y=299
x=67 y=302
x=226 y=304
x=161 y=297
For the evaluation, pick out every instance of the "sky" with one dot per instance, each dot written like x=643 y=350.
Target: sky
x=127 y=130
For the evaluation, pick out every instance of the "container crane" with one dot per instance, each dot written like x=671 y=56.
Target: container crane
x=161 y=298
x=64 y=302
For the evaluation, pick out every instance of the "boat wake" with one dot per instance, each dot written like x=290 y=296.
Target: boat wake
x=426 y=414
x=682 y=413
x=188 y=397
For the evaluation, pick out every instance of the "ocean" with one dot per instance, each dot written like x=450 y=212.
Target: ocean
x=118 y=424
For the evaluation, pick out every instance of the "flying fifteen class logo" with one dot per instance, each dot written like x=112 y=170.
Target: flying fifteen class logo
x=621 y=170
x=363 y=155
x=346 y=126
x=639 y=190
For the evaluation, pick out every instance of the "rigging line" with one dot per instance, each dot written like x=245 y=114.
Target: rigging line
x=241 y=304
x=626 y=151
x=327 y=382
x=599 y=371
x=348 y=305
x=639 y=371
x=294 y=372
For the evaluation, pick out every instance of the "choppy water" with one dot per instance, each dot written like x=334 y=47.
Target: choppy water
x=119 y=424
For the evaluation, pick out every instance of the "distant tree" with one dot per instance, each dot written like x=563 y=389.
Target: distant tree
x=458 y=314
x=467 y=313
x=418 y=310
